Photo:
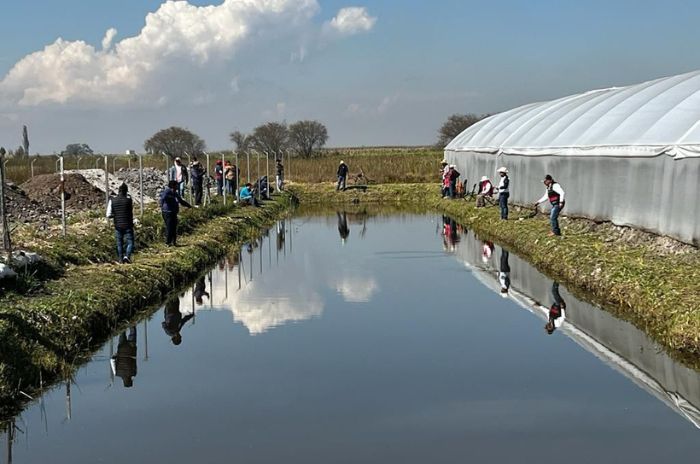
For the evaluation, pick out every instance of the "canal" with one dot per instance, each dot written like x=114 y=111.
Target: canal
x=349 y=337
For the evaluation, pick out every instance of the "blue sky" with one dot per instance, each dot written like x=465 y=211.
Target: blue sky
x=390 y=75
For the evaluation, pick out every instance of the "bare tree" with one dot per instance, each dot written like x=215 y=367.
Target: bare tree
x=271 y=138
x=174 y=142
x=454 y=126
x=242 y=141
x=307 y=136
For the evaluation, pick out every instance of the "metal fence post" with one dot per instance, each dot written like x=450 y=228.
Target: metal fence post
x=6 y=242
x=32 y=166
x=267 y=172
x=141 y=182
x=78 y=162
x=237 y=173
x=223 y=173
x=106 y=183
x=63 y=200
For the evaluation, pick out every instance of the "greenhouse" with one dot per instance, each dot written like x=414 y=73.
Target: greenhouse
x=630 y=155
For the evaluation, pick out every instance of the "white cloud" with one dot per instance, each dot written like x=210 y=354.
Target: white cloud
x=357 y=289
x=349 y=21
x=180 y=42
x=386 y=103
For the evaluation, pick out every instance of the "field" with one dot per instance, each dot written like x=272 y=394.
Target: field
x=379 y=164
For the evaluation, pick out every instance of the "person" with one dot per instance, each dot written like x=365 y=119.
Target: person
x=178 y=172
x=170 y=201
x=503 y=192
x=504 y=274
x=444 y=170
x=453 y=177
x=231 y=172
x=200 y=291
x=219 y=177
x=280 y=175
x=173 y=321
x=123 y=363
x=246 y=195
x=342 y=175
x=485 y=191
x=555 y=194
x=197 y=179
x=343 y=228
x=121 y=208
x=557 y=312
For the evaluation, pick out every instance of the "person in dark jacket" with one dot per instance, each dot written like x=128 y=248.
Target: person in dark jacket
x=121 y=208
x=197 y=179
x=170 y=201
x=219 y=176
x=200 y=291
x=280 y=175
x=342 y=175
x=124 y=361
x=174 y=320
x=453 y=176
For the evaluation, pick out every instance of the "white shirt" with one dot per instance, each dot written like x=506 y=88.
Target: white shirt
x=502 y=185
x=557 y=188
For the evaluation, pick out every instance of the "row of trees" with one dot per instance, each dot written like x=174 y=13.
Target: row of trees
x=303 y=138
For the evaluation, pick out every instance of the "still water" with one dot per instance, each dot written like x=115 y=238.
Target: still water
x=347 y=338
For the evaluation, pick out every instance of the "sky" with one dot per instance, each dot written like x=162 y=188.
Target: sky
x=111 y=73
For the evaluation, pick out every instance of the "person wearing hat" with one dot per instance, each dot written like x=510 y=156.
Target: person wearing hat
x=555 y=194
x=557 y=312
x=342 y=175
x=121 y=208
x=178 y=172
x=197 y=177
x=219 y=177
x=485 y=191
x=170 y=201
x=453 y=175
x=503 y=192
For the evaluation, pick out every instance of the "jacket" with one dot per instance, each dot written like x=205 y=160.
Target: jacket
x=170 y=201
x=172 y=173
x=343 y=170
x=121 y=208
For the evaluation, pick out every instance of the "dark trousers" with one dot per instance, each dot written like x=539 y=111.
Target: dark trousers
x=503 y=203
x=197 y=191
x=123 y=235
x=341 y=183
x=219 y=187
x=170 y=228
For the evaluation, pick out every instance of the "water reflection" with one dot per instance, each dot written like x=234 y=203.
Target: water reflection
x=618 y=343
x=123 y=363
x=343 y=228
x=174 y=320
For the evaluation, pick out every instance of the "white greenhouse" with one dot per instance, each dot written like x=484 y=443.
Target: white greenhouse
x=630 y=155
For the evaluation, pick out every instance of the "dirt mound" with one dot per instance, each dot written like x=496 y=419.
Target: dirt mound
x=80 y=194
x=20 y=208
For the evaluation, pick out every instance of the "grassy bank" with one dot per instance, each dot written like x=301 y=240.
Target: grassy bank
x=46 y=332
x=656 y=291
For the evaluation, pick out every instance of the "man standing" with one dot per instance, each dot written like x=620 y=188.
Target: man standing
x=121 y=208
x=178 y=172
x=219 y=176
x=197 y=177
x=503 y=192
x=170 y=201
x=453 y=174
x=342 y=175
x=555 y=194
x=280 y=175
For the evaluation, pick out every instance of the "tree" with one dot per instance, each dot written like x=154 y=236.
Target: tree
x=307 y=136
x=175 y=142
x=271 y=138
x=454 y=126
x=242 y=141
x=78 y=149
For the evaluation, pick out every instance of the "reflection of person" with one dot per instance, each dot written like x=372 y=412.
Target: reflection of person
x=449 y=232
x=343 y=228
x=173 y=319
x=486 y=251
x=342 y=175
x=280 y=234
x=170 y=201
x=200 y=291
x=555 y=195
x=504 y=274
x=124 y=361
x=557 y=312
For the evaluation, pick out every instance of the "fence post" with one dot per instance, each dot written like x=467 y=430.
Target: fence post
x=223 y=173
x=6 y=242
x=141 y=182
x=106 y=183
x=63 y=199
x=32 y=166
x=267 y=172
x=78 y=162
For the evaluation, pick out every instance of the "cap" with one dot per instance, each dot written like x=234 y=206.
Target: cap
x=443 y=161
x=177 y=158
x=502 y=169
x=483 y=178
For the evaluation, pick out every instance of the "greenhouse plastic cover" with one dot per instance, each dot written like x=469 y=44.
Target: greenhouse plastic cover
x=649 y=119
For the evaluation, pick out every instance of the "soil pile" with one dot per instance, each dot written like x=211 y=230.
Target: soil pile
x=20 y=208
x=80 y=194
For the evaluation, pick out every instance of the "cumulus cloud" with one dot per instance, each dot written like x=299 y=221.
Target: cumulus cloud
x=349 y=21
x=179 y=43
x=357 y=289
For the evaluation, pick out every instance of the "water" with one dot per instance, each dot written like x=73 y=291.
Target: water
x=392 y=345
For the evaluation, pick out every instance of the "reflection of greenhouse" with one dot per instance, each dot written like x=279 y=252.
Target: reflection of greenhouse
x=630 y=155
x=617 y=343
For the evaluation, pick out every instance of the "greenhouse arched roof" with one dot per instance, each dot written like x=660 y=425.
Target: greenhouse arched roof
x=656 y=117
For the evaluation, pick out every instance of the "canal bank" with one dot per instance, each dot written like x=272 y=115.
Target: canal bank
x=46 y=333
x=649 y=281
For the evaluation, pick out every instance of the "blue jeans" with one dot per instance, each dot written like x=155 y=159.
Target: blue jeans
x=453 y=189
x=341 y=183
x=503 y=203
x=181 y=189
x=122 y=234
x=554 y=219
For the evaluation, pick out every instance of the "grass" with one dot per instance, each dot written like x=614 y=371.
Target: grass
x=659 y=293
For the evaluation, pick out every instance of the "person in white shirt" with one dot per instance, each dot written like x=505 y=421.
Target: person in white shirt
x=485 y=190
x=503 y=192
x=555 y=194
